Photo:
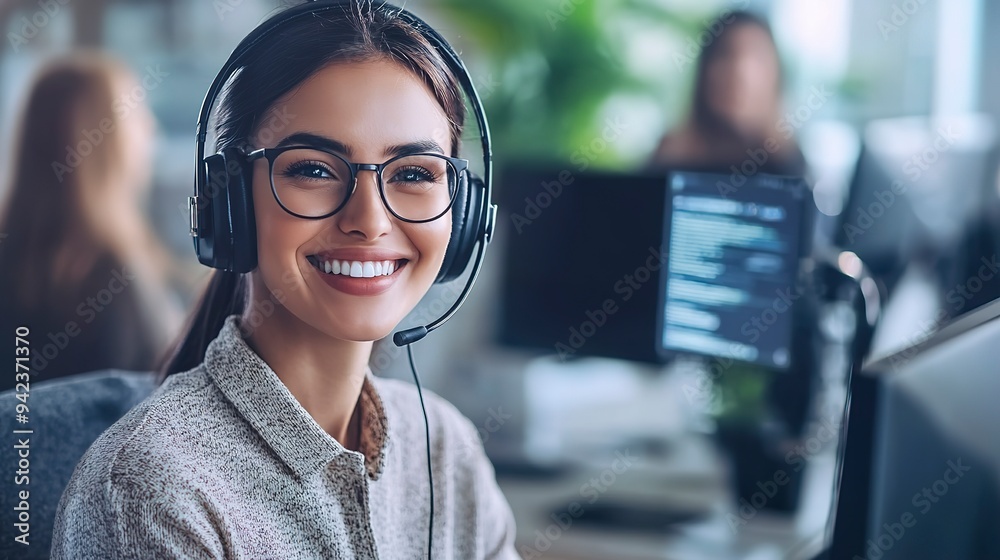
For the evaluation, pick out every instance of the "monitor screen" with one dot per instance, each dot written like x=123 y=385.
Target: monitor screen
x=920 y=465
x=732 y=269
x=919 y=184
x=582 y=258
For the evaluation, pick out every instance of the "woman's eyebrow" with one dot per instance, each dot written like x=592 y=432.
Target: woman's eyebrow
x=315 y=141
x=329 y=144
x=418 y=147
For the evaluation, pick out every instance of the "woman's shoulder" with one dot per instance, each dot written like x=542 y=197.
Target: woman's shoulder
x=680 y=146
x=143 y=480
x=154 y=435
x=456 y=443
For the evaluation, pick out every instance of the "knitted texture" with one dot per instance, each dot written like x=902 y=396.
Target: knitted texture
x=223 y=462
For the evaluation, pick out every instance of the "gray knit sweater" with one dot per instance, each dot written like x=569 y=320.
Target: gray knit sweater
x=223 y=462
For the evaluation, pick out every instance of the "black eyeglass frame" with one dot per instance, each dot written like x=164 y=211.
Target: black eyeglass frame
x=459 y=165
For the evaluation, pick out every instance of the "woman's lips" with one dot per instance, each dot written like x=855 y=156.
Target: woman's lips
x=358 y=277
x=356 y=268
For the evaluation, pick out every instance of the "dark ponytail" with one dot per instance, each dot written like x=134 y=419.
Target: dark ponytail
x=225 y=295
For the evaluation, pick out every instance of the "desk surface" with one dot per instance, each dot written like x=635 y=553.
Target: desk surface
x=692 y=477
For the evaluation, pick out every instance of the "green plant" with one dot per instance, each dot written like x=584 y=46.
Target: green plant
x=552 y=66
x=741 y=395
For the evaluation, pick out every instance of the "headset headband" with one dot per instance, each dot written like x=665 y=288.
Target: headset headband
x=312 y=7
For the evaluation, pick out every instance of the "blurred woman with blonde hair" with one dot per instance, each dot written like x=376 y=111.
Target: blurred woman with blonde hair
x=81 y=267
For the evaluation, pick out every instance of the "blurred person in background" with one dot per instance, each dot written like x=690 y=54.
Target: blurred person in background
x=736 y=110
x=82 y=268
x=736 y=127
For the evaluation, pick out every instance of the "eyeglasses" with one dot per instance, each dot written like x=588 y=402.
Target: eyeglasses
x=314 y=184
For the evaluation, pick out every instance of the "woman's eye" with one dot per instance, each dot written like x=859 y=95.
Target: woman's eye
x=413 y=175
x=309 y=171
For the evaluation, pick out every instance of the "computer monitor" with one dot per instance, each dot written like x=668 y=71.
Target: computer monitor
x=919 y=183
x=919 y=471
x=582 y=254
x=648 y=266
x=731 y=282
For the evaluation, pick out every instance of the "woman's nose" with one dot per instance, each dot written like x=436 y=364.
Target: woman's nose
x=365 y=215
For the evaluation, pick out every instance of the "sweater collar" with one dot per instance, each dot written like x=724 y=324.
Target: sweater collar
x=260 y=396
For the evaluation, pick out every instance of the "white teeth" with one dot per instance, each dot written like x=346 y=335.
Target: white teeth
x=358 y=269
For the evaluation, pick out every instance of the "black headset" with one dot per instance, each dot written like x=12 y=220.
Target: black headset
x=221 y=210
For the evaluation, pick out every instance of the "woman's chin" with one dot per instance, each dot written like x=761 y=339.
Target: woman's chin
x=362 y=332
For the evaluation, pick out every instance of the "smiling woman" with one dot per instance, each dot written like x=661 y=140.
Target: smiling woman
x=387 y=112
x=269 y=436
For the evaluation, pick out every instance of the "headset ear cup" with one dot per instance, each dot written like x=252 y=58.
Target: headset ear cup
x=214 y=241
x=459 y=216
x=467 y=225
x=244 y=225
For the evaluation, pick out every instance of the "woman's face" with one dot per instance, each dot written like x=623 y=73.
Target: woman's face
x=743 y=81
x=373 y=111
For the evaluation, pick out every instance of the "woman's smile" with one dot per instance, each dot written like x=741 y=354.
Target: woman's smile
x=359 y=272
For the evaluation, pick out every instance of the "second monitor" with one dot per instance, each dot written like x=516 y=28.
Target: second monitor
x=644 y=267
x=733 y=265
